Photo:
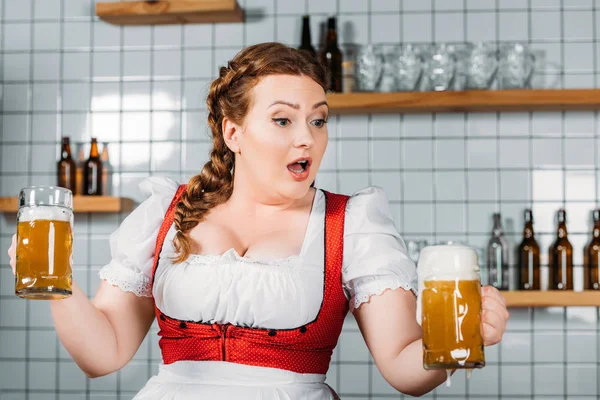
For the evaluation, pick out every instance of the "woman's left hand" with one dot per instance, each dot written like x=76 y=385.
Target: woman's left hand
x=493 y=315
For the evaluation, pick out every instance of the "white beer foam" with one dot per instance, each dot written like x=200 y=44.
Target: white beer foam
x=445 y=263
x=27 y=214
x=448 y=262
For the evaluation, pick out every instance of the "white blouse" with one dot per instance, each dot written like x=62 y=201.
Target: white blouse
x=229 y=288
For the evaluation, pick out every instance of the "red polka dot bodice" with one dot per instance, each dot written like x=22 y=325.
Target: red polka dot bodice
x=304 y=349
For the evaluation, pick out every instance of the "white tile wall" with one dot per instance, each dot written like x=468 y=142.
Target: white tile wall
x=66 y=73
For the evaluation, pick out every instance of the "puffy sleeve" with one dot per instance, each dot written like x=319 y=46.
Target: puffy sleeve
x=132 y=244
x=375 y=256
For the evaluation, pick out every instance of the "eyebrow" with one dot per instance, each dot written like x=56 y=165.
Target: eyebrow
x=297 y=106
x=322 y=103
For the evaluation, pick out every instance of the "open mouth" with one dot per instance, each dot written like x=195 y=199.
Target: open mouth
x=299 y=166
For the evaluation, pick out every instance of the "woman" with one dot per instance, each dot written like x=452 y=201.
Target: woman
x=248 y=268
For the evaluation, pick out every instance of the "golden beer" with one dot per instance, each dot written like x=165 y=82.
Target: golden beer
x=44 y=244
x=451 y=325
x=450 y=307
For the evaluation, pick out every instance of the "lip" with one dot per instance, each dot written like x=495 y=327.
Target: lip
x=307 y=159
x=304 y=174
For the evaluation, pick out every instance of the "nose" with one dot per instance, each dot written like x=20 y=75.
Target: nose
x=304 y=138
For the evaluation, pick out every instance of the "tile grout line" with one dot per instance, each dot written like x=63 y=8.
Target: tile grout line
x=59 y=133
x=30 y=88
x=529 y=184
x=2 y=21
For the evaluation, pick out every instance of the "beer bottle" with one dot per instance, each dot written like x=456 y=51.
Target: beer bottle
x=67 y=168
x=92 y=172
x=80 y=163
x=529 y=257
x=591 y=256
x=306 y=43
x=497 y=257
x=560 y=258
x=331 y=58
x=106 y=171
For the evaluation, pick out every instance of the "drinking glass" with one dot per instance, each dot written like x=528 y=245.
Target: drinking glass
x=517 y=65
x=440 y=67
x=476 y=66
x=407 y=65
x=369 y=67
x=449 y=307
x=44 y=243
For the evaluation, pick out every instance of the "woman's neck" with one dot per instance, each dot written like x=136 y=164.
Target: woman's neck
x=251 y=199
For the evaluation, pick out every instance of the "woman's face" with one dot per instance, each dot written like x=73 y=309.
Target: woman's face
x=282 y=140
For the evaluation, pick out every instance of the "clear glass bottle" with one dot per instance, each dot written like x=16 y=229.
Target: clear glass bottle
x=107 y=171
x=497 y=257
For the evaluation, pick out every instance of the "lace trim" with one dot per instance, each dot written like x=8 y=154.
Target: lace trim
x=231 y=255
x=368 y=287
x=126 y=279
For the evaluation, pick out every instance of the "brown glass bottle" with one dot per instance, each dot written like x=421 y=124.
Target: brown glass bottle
x=92 y=172
x=591 y=256
x=306 y=43
x=331 y=58
x=529 y=257
x=67 y=168
x=560 y=257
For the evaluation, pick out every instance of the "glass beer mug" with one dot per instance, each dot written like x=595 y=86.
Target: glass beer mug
x=449 y=307
x=44 y=243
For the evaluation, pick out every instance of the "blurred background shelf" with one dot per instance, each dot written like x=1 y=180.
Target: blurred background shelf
x=475 y=100
x=82 y=204
x=163 y=12
x=553 y=298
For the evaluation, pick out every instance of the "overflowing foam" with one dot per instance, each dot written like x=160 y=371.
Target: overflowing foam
x=448 y=262
x=27 y=214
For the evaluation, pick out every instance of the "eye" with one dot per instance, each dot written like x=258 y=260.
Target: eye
x=319 y=123
x=281 y=121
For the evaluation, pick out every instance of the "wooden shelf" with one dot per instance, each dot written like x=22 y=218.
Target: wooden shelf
x=81 y=204
x=553 y=298
x=484 y=100
x=163 y=12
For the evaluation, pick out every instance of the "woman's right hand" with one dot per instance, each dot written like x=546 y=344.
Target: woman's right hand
x=12 y=253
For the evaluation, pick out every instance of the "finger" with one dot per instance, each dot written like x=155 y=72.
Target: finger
x=493 y=319
x=493 y=304
x=13 y=246
x=490 y=335
x=493 y=292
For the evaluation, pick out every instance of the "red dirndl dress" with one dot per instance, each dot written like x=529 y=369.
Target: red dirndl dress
x=305 y=349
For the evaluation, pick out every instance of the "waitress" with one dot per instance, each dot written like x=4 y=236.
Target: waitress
x=249 y=270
